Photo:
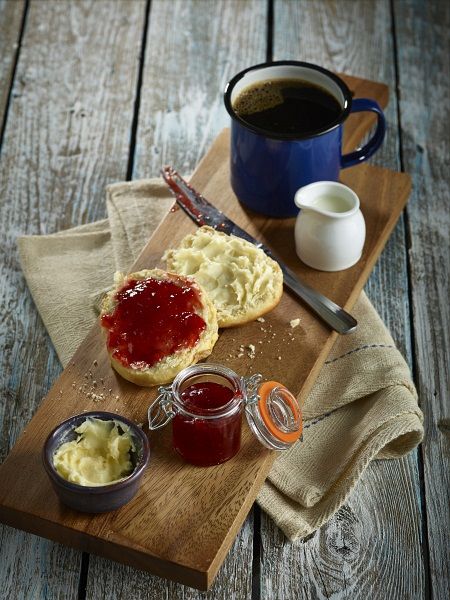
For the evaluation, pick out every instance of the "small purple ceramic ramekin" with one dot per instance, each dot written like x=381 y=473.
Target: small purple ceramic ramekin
x=95 y=499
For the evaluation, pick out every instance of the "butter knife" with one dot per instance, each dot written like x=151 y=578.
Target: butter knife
x=204 y=213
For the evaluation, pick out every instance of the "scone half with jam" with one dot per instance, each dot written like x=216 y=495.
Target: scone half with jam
x=156 y=324
x=241 y=280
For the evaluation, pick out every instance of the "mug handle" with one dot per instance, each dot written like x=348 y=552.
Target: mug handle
x=358 y=156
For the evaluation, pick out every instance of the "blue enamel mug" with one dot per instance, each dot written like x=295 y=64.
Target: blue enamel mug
x=268 y=167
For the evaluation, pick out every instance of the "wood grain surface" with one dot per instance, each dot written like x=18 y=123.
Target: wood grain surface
x=425 y=124
x=63 y=142
x=180 y=114
x=11 y=18
x=328 y=36
x=395 y=526
x=191 y=548
x=181 y=109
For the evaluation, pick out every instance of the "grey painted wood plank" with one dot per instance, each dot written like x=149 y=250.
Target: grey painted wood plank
x=395 y=314
x=11 y=15
x=204 y=44
x=423 y=58
x=193 y=48
x=111 y=580
x=370 y=546
x=343 y=558
x=66 y=136
x=37 y=569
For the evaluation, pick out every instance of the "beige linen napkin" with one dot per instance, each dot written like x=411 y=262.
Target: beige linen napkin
x=363 y=405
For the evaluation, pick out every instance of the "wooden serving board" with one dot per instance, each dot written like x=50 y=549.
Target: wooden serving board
x=184 y=518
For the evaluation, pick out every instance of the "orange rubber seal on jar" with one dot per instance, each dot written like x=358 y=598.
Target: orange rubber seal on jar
x=264 y=392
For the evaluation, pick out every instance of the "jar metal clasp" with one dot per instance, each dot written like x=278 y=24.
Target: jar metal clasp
x=251 y=385
x=160 y=411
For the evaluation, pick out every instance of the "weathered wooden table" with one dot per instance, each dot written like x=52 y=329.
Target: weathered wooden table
x=98 y=91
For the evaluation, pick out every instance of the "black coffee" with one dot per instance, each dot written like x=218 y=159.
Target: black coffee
x=287 y=107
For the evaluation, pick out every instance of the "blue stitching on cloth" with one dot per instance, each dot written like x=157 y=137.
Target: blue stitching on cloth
x=328 y=362
x=318 y=419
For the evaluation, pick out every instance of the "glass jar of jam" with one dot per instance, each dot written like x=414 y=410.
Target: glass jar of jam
x=205 y=404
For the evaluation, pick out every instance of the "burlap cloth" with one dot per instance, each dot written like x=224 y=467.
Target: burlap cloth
x=362 y=407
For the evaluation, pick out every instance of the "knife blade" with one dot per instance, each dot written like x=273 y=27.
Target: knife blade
x=203 y=212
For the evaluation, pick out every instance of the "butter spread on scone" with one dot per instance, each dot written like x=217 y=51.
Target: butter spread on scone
x=241 y=280
x=157 y=323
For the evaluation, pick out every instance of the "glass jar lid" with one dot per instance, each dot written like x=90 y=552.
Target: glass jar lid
x=273 y=413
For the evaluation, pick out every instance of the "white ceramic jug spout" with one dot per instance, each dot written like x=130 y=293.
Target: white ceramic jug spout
x=330 y=229
x=302 y=205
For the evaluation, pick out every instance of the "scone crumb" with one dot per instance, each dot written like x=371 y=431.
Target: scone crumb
x=261 y=320
x=251 y=351
x=294 y=323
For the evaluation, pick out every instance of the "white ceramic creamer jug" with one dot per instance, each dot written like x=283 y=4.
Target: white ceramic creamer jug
x=330 y=229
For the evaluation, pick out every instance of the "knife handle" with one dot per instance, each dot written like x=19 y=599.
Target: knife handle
x=335 y=316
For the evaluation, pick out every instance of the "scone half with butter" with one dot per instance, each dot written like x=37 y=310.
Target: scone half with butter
x=241 y=280
x=156 y=324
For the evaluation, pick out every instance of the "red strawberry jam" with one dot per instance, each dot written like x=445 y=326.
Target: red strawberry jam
x=207 y=441
x=153 y=319
x=206 y=395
